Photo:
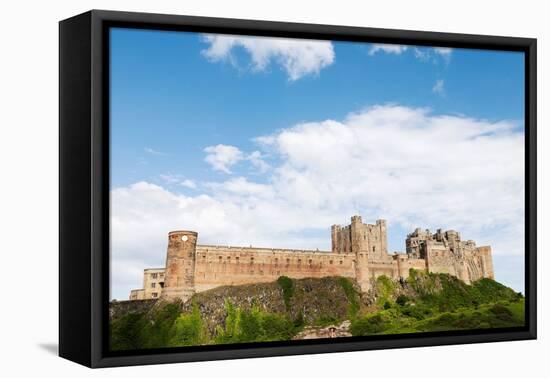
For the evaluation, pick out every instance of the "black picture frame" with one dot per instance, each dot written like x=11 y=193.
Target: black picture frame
x=84 y=186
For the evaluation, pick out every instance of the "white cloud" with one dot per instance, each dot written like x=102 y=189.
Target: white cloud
x=298 y=57
x=425 y=54
x=387 y=48
x=171 y=179
x=433 y=54
x=188 y=184
x=256 y=159
x=407 y=165
x=222 y=157
x=439 y=87
x=151 y=151
x=443 y=51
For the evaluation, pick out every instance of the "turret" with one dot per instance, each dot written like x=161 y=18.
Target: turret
x=179 y=282
x=334 y=233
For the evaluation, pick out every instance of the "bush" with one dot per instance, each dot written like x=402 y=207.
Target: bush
x=126 y=333
x=351 y=295
x=245 y=326
x=368 y=325
x=288 y=289
x=189 y=329
x=501 y=312
x=402 y=300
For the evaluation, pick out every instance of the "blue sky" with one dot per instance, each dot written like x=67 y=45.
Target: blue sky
x=222 y=130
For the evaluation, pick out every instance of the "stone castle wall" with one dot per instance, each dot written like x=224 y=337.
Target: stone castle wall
x=219 y=265
x=359 y=251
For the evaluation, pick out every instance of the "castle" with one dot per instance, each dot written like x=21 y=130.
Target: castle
x=359 y=251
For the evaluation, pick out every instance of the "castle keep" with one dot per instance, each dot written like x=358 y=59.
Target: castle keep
x=359 y=251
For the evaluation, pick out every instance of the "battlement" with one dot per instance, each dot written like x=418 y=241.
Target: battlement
x=360 y=237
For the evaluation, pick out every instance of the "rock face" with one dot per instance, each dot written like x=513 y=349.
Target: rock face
x=329 y=332
x=311 y=300
x=120 y=308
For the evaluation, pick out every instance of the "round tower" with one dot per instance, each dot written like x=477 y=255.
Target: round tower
x=179 y=280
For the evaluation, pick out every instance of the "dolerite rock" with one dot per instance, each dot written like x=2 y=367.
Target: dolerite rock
x=328 y=332
x=120 y=308
x=312 y=299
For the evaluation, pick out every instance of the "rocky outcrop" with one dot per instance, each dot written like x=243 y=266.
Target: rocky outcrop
x=328 y=332
x=120 y=308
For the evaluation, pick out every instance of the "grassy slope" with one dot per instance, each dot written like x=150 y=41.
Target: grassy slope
x=278 y=311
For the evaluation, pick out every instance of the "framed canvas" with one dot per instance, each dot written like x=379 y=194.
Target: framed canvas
x=236 y=188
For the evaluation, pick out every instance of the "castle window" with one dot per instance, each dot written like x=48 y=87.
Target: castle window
x=153 y=284
x=374 y=249
x=161 y=284
x=237 y=259
x=252 y=260
x=341 y=262
x=310 y=261
x=331 y=262
x=154 y=275
x=299 y=261
x=287 y=261
x=161 y=275
x=154 y=295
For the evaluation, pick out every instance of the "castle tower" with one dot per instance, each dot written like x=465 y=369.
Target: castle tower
x=486 y=257
x=179 y=281
x=382 y=229
x=361 y=253
x=335 y=231
x=357 y=234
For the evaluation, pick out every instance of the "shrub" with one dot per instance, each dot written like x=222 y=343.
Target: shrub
x=351 y=295
x=243 y=326
x=501 y=312
x=288 y=289
x=189 y=329
x=402 y=300
x=368 y=325
x=126 y=333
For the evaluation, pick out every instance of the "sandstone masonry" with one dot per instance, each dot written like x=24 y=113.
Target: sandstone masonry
x=359 y=251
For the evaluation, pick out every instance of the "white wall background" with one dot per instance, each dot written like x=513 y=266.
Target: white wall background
x=29 y=175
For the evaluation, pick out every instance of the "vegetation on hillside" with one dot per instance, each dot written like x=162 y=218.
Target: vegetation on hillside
x=425 y=302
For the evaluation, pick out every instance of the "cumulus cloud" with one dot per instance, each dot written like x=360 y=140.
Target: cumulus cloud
x=188 y=184
x=297 y=57
x=171 y=179
x=407 y=165
x=222 y=157
x=256 y=158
